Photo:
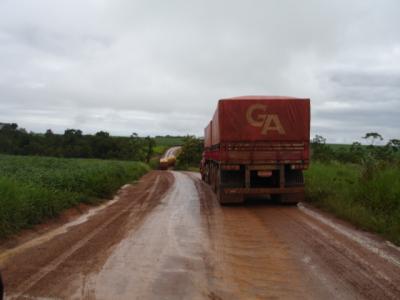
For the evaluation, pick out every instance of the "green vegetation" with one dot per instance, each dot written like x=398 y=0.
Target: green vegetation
x=169 y=141
x=190 y=156
x=358 y=183
x=356 y=152
x=73 y=143
x=160 y=149
x=162 y=144
x=35 y=188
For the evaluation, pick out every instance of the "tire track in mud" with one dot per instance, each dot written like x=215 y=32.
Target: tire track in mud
x=46 y=269
x=165 y=258
x=53 y=265
x=249 y=260
x=167 y=237
x=333 y=264
x=350 y=267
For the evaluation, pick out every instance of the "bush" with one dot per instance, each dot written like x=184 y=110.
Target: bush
x=34 y=188
x=191 y=153
x=367 y=195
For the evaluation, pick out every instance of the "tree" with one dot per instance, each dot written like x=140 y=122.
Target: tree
x=357 y=152
x=318 y=140
x=190 y=155
x=74 y=144
x=72 y=132
x=150 y=144
x=321 y=151
x=49 y=133
x=102 y=145
x=373 y=136
x=104 y=134
x=394 y=144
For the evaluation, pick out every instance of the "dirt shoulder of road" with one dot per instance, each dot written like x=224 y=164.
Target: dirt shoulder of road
x=67 y=216
x=29 y=258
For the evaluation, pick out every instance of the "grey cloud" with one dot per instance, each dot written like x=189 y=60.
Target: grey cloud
x=367 y=78
x=158 y=67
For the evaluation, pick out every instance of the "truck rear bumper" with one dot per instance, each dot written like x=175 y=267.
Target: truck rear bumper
x=258 y=191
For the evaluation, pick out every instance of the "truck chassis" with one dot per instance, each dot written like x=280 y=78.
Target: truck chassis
x=232 y=182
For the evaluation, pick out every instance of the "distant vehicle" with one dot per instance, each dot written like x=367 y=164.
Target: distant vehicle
x=167 y=162
x=257 y=145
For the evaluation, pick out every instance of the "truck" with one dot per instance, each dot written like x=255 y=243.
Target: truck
x=167 y=162
x=257 y=146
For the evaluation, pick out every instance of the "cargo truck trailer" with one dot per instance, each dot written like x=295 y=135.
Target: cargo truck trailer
x=257 y=145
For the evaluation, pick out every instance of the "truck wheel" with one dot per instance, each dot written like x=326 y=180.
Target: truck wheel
x=218 y=189
x=221 y=196
x=213 y=179
x=208 y=174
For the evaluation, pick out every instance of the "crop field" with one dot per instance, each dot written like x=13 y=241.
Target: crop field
x=35 y=188
x=169 y=141
x=367 y=196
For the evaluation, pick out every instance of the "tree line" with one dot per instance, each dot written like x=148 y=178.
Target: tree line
x=73 y=143
x=356 y=152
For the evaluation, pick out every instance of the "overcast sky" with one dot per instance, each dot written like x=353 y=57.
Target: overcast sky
x=159 y=67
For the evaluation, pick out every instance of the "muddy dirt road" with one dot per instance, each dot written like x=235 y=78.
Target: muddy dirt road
x=167 y=238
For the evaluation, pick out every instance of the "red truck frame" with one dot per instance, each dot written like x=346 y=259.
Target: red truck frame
x=257 y=145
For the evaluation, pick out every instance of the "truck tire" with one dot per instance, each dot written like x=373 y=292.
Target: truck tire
x=208 y=174
x=219 y=190
x=223 y=198
x=213 y=179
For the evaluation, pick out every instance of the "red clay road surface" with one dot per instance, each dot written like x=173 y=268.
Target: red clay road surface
x=166 y=237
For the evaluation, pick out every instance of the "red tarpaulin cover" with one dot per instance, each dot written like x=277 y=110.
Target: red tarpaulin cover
x=260 y=118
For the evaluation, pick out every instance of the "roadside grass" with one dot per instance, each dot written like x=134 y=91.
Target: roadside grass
x=368 y=197
x=35 y=188
x=154 y=162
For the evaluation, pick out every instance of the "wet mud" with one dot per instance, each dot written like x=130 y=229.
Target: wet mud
x=166 y=237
